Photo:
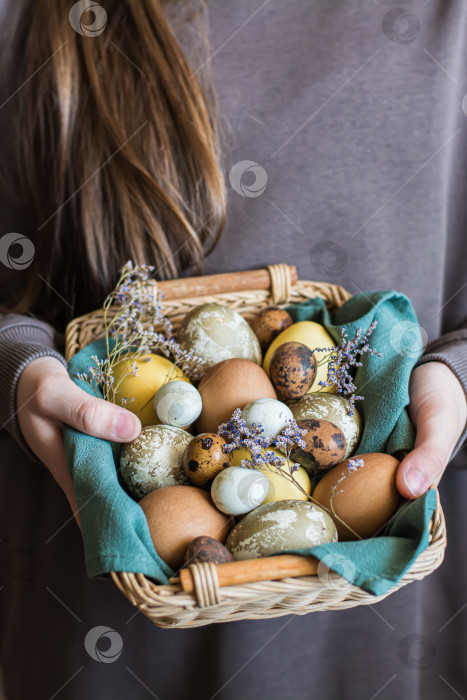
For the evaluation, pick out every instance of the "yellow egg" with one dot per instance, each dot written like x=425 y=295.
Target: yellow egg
x=313 y=335
x=281 y=488
x=152 y=374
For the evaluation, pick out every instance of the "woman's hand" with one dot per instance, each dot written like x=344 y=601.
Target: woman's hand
x=46 y=397
x=438 y=409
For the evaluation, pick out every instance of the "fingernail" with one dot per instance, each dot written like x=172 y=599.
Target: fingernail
x=124 y=426
x=415 y=481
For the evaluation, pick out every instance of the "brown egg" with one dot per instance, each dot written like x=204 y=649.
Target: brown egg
x=204 y=458
x=204 y=548
x=292 y=370
x=229 y=385
x=268 y=323
x=177 y=514
x=325 y=445
x=365 y=499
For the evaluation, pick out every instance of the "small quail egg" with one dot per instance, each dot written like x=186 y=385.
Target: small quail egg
x=204 y=548
x=292 y=370
x=268 y=323
x=204 y=458
x=325 y=445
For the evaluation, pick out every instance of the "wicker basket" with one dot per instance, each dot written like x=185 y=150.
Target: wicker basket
x=168 y=605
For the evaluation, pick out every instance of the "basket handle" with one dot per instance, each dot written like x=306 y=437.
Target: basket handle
x=206 y=578
x=278 y=278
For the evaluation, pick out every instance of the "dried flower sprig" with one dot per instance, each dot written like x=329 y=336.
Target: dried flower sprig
x=131 y=332
x=255 y=441
x=344 y=356
x=352 y=466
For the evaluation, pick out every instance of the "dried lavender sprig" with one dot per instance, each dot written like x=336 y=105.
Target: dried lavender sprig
x=132 y=330
x=346 y=355
x=256 y=443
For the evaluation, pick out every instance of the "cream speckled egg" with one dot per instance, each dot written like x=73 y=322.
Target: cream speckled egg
x=154 y=459
x=273 y=414
x=237 y=490
x=178 y=403
x=335 y=409
x=279 y=526
x=218 y=333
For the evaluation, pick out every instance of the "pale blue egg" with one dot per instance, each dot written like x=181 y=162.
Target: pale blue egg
x=178 y=403
x=274 y=415
x=237 y=490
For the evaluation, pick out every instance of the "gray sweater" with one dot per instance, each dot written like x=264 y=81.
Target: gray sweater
x=354 y=112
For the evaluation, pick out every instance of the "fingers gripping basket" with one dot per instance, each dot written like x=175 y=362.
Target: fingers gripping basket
x=169 y=605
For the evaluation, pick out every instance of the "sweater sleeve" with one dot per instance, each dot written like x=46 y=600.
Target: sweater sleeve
x=22 y=340
x=451 y=349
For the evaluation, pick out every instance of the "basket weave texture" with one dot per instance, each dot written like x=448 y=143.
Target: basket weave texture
x=168 y=605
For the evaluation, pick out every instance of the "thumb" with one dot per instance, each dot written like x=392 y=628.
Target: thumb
x=436 y=438
x=89 y=414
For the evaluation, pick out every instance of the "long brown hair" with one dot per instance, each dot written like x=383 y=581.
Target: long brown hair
x=117 y=150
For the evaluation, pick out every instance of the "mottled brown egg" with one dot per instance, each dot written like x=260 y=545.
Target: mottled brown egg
x=204 y=458
x=268 y=323
x=229 y=385
x=203 y=549
x=292 y=370
x=177 y=514
x=364 y=499
x=325 y=445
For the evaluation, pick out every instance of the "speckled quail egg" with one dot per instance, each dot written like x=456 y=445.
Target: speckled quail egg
x=334 y=408
x=268 y=323
x=204 y=458
x=292 y=370
x=325 y=446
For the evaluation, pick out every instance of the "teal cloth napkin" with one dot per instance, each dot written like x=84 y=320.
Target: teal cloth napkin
x=115 y=532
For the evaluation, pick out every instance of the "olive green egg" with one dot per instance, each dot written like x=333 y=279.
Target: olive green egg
x=279 y=526
x=218 y=333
